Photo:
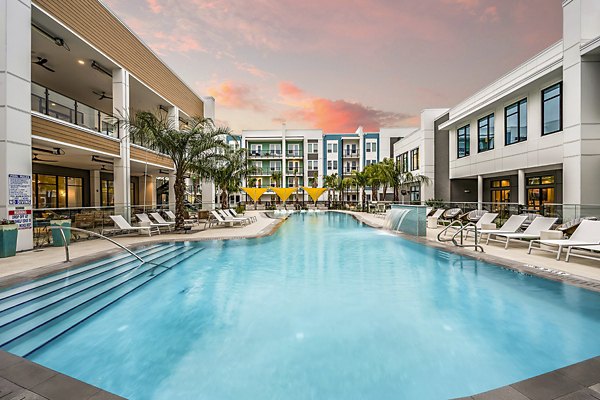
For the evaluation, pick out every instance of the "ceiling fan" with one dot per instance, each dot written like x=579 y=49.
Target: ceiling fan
x=102 y=95
x=36 y=159
x=42 y=63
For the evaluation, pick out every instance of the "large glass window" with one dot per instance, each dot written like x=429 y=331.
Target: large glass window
x=107 y=192
x=485 y=133
x=414 y=159
x=403 y=160
x=516 y=122
x=500 y=191
x=415 y=193
x=552 y=109
x=463 y=139
x=540 y=190
x=51 y=191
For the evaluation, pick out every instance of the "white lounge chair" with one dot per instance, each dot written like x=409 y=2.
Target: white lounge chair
x=486 y=218
x=144 y=219
x=590 y=252
x=172 y=218
x=236 y=215
x=158 y=218
x=511 y=225
x=124 y=226
x=228 y=217
x=532 y=232
x=586 y=234
x=437 y=214
x=224 y=221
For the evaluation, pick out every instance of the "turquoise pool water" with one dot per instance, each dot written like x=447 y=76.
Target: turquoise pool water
x=329 y=309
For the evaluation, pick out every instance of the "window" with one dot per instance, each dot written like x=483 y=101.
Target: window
x=552 y=109
x=485 y=133
x=369 y=162
x=255 y=149
x=540 y=190
x=463 y=138
x=414 y=159
x=275 y=166
x=516 y=122
x=329 y=165
x=335 y=164
x=403 y=160
x=275 y=149
x=313 y=148
x=332 y=147
x=51 y=191
x=500 y=191
x=312 y=165
x=415 y=193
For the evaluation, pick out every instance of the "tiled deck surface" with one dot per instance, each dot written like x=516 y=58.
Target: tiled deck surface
x=22 y=379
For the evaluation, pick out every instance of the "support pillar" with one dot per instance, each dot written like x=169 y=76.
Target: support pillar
x=174 y=122
x=479 y=192
x=522 y=198
x=122 y=166
x=15 y=118
x=95 y=188
x=148 y=191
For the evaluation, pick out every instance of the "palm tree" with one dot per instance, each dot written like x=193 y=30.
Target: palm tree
x=331 y=183
x=276 y=177
x=386 y=171
x=408 y=179
x=375 y=178
x=228 y=172
x=314 y=180
x=361 y=180
x=189 y=147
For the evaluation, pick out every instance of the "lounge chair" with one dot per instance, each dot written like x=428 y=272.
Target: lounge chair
x=511 y=225
x=449 y=216
x=158 y=218
x=532 y=232
x=236 y=215
x=486 y=218
x=569 y=227
x=123 y=226
x=228 y=217
x=586 y=234
x=229 y=212
x=221 y=220
x=144 y=219
x=172 y=218
x=591 y=250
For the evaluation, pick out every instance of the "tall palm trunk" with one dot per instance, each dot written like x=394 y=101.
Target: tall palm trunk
x=179 y=199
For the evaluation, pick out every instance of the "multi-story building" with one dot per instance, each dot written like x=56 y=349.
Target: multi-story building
x=69 y=72
x=533 y=136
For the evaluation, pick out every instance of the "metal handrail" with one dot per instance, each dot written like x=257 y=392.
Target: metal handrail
x=460 y=231
x=67 y=256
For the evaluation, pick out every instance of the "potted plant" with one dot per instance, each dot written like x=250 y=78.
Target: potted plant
x=8 y=238
x=57 y=238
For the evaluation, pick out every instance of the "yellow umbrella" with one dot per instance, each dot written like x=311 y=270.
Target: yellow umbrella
x=255 y=193
x=314 y=193
x=284 y=193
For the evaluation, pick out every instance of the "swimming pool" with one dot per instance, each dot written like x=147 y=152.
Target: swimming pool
x=327 y=308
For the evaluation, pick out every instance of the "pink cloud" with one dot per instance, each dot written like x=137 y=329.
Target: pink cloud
x=252 y=69
x=171 y=42
x=335 y=115
x=237 y=96
x=490 y=14
x=155 y=6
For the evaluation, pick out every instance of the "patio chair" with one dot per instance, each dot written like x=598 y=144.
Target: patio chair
x=449 y=216
x=236 y=215
x=144 y=219
x=158 y=218
x=172 y=217
x=586 y=234
x=223 y=221
x=486 y=218
x=228 y=217
x=532 y=232
x=569 y=227
x=591 y=252
x=125 y=227
x=510 y=226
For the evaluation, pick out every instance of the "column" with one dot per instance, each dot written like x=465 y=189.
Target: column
x=522 y=198
x=581 y=102
x=148 y=191
x=95 y=188
x=208 y=195
x=15 y=118
x=479 y=192
x=122 y=166
x=173 y=117
x=209 y=107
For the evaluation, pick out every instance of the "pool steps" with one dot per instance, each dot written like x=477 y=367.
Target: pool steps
x=47 y=308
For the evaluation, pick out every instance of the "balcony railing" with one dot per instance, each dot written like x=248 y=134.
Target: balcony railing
x=294 y=153
x=351 y=154
x=295 y=171
x=56 y=105
x=264 y=153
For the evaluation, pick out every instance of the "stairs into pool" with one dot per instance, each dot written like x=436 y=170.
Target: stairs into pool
x=35 y=313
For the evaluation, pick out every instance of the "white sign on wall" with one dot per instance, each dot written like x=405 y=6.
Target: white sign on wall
x=19 y=190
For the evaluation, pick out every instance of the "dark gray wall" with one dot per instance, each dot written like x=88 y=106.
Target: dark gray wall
x=463 y=190
x=441 y=177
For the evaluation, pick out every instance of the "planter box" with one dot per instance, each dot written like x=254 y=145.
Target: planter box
x=57 y=239
x=8 y=240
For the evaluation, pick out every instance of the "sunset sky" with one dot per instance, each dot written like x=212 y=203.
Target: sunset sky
x=337 y=64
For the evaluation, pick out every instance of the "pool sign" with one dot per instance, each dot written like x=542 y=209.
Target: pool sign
x=19 y=190
x=21 y=217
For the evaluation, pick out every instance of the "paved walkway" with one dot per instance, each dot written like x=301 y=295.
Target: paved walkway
x=30 y=261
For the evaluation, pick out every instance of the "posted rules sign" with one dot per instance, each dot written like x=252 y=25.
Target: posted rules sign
x=21 y=217
x=19 y=190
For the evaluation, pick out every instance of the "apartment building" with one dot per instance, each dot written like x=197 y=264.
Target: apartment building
x=532 y=137
x=68 y=73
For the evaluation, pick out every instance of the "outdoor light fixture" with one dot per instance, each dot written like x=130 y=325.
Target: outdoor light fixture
x=97 y=159
x=100 y=68
x=162 y=171
x=81 y=62
x=50 y=36
x=161 y=107
x=56 y=151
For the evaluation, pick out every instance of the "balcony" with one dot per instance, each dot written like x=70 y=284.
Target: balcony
x=297 y=171
x=351 y=154
x=264 y=153
x=63 y=108
x=266 y=171
x=294 y=153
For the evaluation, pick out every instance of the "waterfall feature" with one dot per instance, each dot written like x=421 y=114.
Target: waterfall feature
x=408 y=219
